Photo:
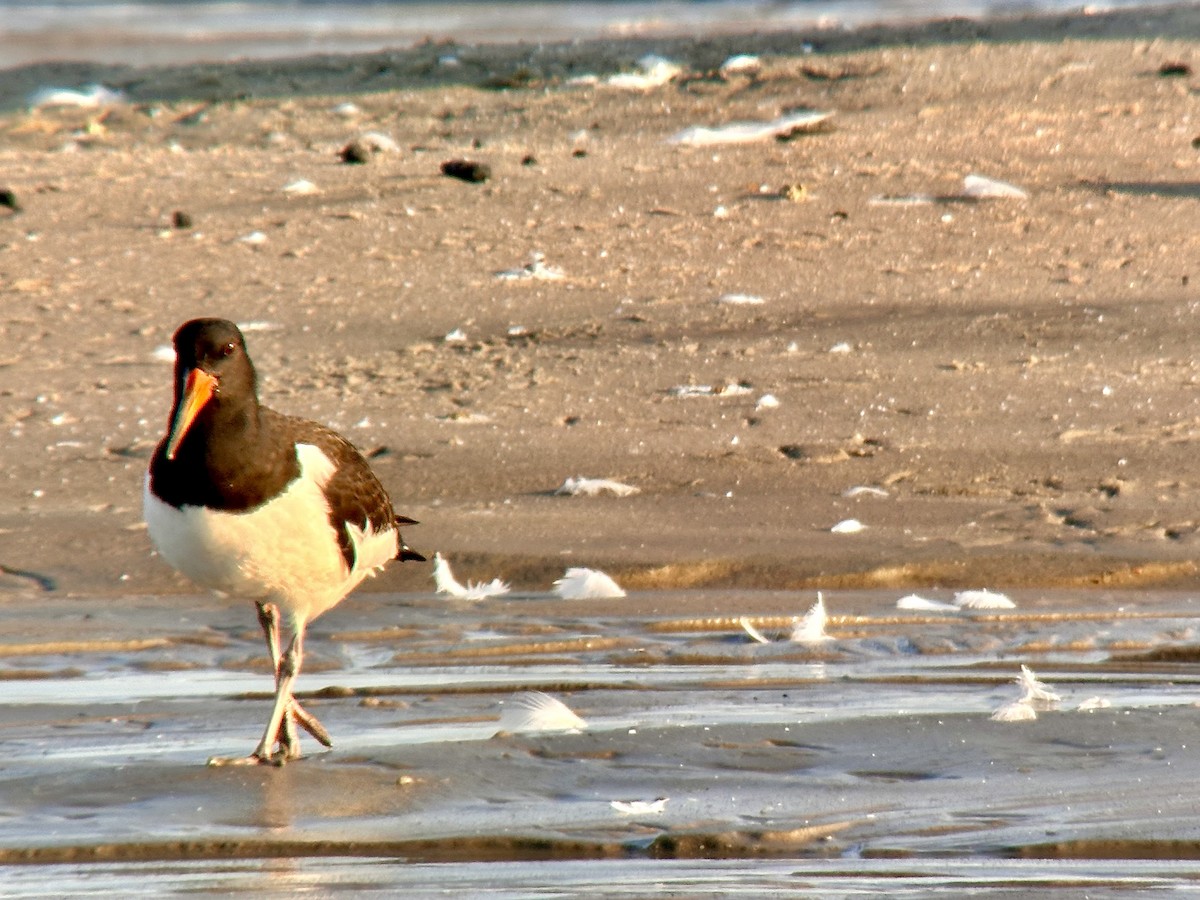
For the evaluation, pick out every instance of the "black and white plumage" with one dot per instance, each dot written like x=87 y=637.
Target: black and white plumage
x=248 y=501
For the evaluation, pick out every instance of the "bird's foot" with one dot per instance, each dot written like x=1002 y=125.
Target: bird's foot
x=309 y=723
x=252 y=760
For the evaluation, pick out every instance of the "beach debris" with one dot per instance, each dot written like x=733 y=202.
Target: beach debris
x=534 y=270
x=535 y=712
x=1034 y=692
x=748 y=132
x=980 y=187
x=254 y=239
x=731 y=389
x=794 y=193
x=181 y=219
x=586 y=584
x=467 y=170
x=923 y=604
x=640 y=807
x=982 y=599
x=840 y=347
x=975 y=187
x=300 y=188
x=767 y=401
x=8 y=199
x=446 y=583
x=740 y=300
x=848 y=526
x=750 y=629
x=346 y=110
x=457 y=336
x=654 y=71
x=164 y=353
x=864 y=490
x=362 y=149
x=741 y=64
x=1174 y=69
x=1034 y=696
x=1091 y=704
x=92 y=96
x=578 y=486
x=810 y=628
x=1016 y=711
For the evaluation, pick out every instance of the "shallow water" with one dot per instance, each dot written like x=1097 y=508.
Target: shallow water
x=865 y=763
x=155 y=32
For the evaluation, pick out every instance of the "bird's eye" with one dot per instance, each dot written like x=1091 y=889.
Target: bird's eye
x=228 y=349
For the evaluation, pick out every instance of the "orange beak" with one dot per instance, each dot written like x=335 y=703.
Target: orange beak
x=200 y=387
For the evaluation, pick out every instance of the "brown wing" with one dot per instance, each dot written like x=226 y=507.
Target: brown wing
x=355 y=494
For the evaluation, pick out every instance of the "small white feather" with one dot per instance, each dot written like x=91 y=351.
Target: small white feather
x=810 y=629
x=983 y=188
x=586 y=584
x=982 y=600
x=1034 y=691
x=746 y=132
x=301 y=187
x=767 y=401
x=863 y=490
x=848 y=526
x=913 y=601
x=655 y=72
x=755 y=634
x=1017 y=711
x=640 y=807
x=579 y=486
x=446 y=583
x=535 y=712
x=1091 y=704
x=742 y=64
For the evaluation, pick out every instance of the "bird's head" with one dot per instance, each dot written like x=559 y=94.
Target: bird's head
x=211 y=369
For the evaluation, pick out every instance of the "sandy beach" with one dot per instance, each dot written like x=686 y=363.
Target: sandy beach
x=764 y=339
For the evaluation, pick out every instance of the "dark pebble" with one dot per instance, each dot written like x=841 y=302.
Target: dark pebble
x=355 y=153
x=9 y=199
x=529 y=160
x=465 y=170
x=1174 y=70
x=180 y=219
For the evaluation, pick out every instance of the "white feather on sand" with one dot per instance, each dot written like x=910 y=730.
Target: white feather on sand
x=446 y=583
x=864 y=490
x=586 y=584
x=640 y=807
x=1034 y=691
x=655 y=72
x=848 y=526
x=579 y=486
x=755 y=634
x=1016 y=711
x=810 y=628
x=977 y=599
x=534 y=712
x=748 y=132
x=917 y=602
x=535 y=270
x=981 y=187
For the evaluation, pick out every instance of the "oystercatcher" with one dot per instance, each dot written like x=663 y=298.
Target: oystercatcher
x=251 y=502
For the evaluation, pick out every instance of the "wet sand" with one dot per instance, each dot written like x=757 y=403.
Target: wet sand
x=1013 y=380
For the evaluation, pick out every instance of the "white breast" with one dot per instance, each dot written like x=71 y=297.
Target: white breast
x=284 y=551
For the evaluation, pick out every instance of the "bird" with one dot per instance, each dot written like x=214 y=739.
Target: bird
x=254 y=503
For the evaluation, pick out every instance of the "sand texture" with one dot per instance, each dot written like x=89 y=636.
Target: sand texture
x=765 y=339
